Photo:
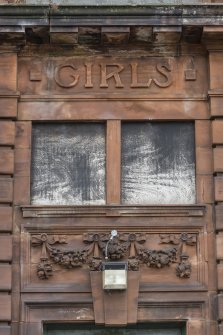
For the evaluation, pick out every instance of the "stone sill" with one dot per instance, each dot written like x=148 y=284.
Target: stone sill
x=114 y=211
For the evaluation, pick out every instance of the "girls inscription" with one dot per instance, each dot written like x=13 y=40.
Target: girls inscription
x=69 y=75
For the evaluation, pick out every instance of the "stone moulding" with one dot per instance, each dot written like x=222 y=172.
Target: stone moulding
x=48 y=22
x=183 y=11
x=113 y=211
x=128 y=246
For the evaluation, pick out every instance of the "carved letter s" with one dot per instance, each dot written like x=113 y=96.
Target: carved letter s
x=162 y=68
x=73 y=76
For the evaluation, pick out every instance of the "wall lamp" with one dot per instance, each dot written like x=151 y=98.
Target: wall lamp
x=114 y=274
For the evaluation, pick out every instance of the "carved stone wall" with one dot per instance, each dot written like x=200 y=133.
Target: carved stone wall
x=74 y=64
x=130 y=246
x=166 y=252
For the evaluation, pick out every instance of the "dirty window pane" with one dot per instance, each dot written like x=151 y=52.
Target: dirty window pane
x=68 y=164
x=76 y=330
x=158 y=163
x=116 y=332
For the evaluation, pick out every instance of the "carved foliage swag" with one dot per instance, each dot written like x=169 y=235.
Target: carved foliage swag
x=124 y=245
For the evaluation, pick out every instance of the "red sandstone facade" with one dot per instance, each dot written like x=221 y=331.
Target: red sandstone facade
x=155 y=65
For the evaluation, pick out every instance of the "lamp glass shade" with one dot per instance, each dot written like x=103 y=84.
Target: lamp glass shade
x=114 y=276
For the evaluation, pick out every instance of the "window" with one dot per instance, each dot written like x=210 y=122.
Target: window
x=158 y=163
x=148 y=329
x=70 y=160
x=68 y=164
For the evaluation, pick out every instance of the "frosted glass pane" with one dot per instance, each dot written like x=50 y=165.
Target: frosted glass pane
x=68 y=164
x=158 y=163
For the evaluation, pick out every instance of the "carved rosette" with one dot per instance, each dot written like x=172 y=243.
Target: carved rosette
x=124 y=245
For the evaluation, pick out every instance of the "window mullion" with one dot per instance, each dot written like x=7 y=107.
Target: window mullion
x=113 y=161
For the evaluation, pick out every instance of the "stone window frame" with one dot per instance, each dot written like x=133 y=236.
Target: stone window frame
x=65 y=308
x=113 y=142
x=203 y=162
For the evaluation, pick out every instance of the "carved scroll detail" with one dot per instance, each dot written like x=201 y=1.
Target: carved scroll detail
x=125 y=245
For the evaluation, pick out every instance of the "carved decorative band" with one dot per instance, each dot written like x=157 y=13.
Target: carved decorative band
x=128 y=246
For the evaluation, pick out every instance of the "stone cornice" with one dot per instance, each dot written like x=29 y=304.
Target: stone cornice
x=174 y=14
x=70 y=24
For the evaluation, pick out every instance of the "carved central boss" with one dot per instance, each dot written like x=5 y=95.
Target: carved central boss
x=130 y=246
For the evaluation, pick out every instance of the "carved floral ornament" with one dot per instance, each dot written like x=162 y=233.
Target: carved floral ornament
x=124 y=245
